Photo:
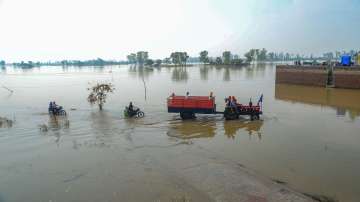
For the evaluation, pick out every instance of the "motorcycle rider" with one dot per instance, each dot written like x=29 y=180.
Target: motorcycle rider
x=131 y=107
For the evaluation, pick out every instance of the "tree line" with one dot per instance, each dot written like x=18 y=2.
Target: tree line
x=94 y=62
x=179 y=58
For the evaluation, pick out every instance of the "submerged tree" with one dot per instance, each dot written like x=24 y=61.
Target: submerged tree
x=99 y=93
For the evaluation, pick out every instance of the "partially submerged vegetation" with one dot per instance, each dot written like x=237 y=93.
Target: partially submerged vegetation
x=6 y=123
x=99 y=94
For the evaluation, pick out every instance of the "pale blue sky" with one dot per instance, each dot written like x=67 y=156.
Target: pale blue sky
x=83 y=29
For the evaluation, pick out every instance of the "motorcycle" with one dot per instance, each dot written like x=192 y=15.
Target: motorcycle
x=57 y=111
x=136 y=112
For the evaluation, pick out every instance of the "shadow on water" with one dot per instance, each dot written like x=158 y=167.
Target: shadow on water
x=343 y=100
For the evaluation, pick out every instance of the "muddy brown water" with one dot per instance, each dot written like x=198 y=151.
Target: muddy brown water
x=308 y=137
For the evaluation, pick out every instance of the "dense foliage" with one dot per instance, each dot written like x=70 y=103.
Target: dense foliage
x=99 y=93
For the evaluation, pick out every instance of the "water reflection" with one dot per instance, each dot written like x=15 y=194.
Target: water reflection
x=343 y=100
x=140 y=72
x=226 y=76
x=256 y=70
x=207 y=129
x=251 y=127
x=2 y=69
x=102 y=123
x=192 y=129
x=204 y=73
x=179 y=74
x=55 y=124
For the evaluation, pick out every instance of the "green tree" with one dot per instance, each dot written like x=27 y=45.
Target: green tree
x=204 y=58
x=262 y=54
x=218 y=61
x=158 y=63
x=2 y=63
x=226 y=57
x=175 y=58
x=99 y=93
x=271 y=56
x=149 y=62
x=167 y=60
x=184 y=57
x=237 y=61
x=179 y=58
x=131 y=58
x=142 y=57
x=251 y=55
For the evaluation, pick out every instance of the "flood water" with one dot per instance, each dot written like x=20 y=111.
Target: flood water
x=308 y=137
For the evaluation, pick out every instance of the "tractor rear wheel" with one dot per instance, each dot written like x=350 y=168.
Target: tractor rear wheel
x=230 y=114
x=254 y=117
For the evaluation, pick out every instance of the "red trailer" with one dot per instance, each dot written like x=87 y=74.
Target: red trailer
x=188 y=106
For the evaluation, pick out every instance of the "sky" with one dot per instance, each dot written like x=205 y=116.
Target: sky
x=111 y=29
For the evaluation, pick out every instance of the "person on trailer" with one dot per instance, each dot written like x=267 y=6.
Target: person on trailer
x=234 y=100
x=228 y=101
x=211 y=96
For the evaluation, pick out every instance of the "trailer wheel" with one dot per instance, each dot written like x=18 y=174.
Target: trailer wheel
x=187 y=115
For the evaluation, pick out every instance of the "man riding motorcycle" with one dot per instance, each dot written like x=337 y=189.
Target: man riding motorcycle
x=132 y=111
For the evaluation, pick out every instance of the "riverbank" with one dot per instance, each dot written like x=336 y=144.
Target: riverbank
x=340 y=77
